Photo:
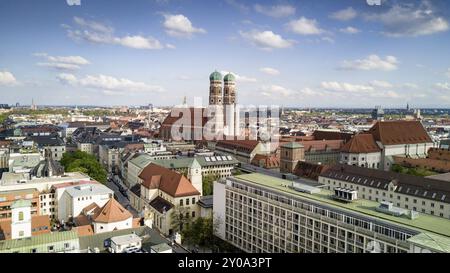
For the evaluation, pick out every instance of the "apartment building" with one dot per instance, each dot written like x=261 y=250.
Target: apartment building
x=415 y=193
x=264 y=214
x=161 y=191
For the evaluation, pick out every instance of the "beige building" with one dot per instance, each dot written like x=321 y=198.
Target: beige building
x=410 y=192
x=264 y=214
x=290 y=154
x=162 y=193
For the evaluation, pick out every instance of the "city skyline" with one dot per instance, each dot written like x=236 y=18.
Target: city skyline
x=297 y=54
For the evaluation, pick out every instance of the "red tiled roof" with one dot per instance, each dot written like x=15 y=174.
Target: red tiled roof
x=310 y=170
x=266 y=161
x=245 y=145
x=171 y=182
x=85 y=230
x=40 y=224
x=331 y=135
x=361 y=143
x=399 y=132
x=319 y=145
x=173 y=117
x=111 y=212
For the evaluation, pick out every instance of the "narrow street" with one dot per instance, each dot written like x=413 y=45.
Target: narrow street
x=122 y=199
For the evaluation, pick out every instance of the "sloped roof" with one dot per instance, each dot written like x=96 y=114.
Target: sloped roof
x=361 y=143
x=241 y=145
x=40 y=224
x=406 y=184
x=268 y=161
x=172 y=117
x=161 y=205
x=399 y=132
x=111 y=212
x=292 y=145
x=309 y=170
x=331 y=135
x=171 y=182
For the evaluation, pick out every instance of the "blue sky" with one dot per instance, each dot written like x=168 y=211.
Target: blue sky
x=292 y=53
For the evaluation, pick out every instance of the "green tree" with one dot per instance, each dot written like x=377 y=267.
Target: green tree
x=79 y=161
x=208 y=184
x=181 y=217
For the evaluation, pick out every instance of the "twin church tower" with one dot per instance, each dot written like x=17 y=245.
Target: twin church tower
x=223 y=104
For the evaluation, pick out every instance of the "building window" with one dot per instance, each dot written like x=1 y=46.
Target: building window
x=21 y=216
x=66 y=245
x=193 y=200
x=181 y=202
x=193 y=214
x=51 y=248
x=187 y=201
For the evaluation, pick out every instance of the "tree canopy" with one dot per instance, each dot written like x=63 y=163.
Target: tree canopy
x=79 y=161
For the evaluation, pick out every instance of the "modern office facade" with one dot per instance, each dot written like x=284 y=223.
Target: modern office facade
x=263 y=214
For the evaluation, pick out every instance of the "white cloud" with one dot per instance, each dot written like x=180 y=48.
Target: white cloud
x=171 y=46
x=410 y=20
x=327 y=39
x=448 y=73
x=184 y=77
x=275 y=91
x=239 y=78
x=60 y=66
x=108 y=83
x=443 y=86
x=77 y=60
x=410 y=85
x=372 y=62
x=67 y=78
x=238 y=5
x=96 y=26
x=345 y=87
x=276 y=11
x=62 y=62
x=305 y=26
x=139 y=42
x=270 y=71
x=179 y=25
x=381 y=84
x=96 y=32
x=7 y=78
x=73 y=2
x=344 y=15
x=385 y=94
x=374 y=89
x=349 y=30
x=266 y=39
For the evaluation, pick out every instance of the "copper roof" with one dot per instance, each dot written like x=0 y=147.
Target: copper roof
x=171 y=182
x=361 y=143
x=112 y=211
x=400 y=132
